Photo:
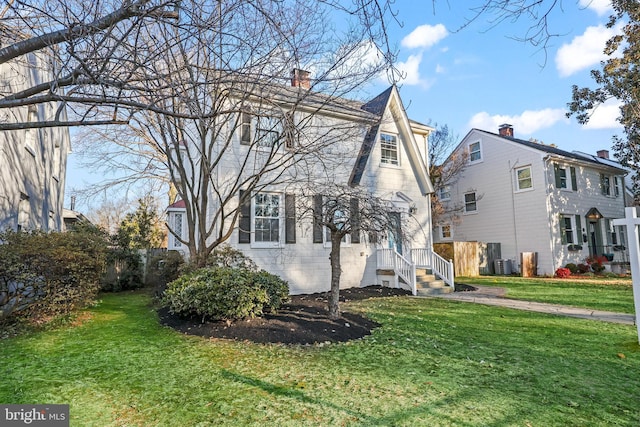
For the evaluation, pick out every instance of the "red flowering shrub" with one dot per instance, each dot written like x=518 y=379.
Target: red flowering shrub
x=563 y=273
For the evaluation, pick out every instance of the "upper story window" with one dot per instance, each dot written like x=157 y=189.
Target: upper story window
x=470 y=202
x=610 y=185
x=444 y=193
x=475 y=152
x=389 y=149
x=267 y=132
x=245 y=128
x=523 y=178
x=565 y=177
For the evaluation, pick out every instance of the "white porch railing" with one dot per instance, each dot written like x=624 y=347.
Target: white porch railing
x=418 y=258
x=404 y=268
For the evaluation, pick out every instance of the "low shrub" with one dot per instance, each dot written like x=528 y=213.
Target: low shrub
x=563 y=273
x=224 y=293
x=162 y=269
x=572 y=268
x=584 y=268
x=596 y=263
x=226 y=256
x=50 y=274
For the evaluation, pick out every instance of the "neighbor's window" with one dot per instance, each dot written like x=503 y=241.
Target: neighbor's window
x=266 y=217
x=444 y=193
x=445 y=231
x=605 y=184
x=177 y=229
x=566 y=226
x=618 y=185
x=470 y=202
x=389 y=149
x=523 y=176
x=475 y=153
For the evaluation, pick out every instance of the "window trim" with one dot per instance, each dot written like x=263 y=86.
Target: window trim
x=442 y=231
x=177 y=233
x=383 y=162
x=281 y=222
x=479 y=152
x=517 y=179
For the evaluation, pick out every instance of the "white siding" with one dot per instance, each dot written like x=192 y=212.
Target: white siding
x=524 y=220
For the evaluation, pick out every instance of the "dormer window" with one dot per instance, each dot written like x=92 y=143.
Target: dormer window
x=389 y=149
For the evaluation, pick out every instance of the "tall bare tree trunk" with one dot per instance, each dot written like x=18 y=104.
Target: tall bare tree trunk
x=336 y=271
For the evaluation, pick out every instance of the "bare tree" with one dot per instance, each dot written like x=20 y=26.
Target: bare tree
x=342 y=212
x=446 y=166
x=229 y=118
x=99 y=51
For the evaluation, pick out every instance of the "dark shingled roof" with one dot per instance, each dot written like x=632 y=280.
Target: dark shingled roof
x=548 y=149
x=375 y=106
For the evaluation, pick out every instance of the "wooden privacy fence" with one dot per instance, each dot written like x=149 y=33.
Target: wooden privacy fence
x=470 y=258
x=465 y=256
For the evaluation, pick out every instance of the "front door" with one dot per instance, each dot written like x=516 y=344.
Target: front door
x=395 y=233
x=595 y=239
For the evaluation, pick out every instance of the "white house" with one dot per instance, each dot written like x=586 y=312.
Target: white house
x=34 y=160
x=532 y=197
x=380 y=150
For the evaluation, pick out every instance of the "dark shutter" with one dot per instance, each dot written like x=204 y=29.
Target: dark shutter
x=574 y=180
x=556 y=170
x=290 y=218
x=355 y=220
x=563 y=231
x=579 y=227
x=244 y=225
x=317 y=218
x=245 y=128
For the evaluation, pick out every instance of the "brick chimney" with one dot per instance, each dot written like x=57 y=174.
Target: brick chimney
x=603 y=154
x=300 y=78
x=506 y=130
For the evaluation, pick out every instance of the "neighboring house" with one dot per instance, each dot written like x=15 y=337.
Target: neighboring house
x=532 y=197
x=33 y=160
x=388 y=157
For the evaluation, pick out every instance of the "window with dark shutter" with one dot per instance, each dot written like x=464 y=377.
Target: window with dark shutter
x=244 y=224
x=290 y=218
x=317 y=218
x=355 y=220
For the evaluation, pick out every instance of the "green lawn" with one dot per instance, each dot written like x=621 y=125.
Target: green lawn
x=598 y=294
x=433 y=363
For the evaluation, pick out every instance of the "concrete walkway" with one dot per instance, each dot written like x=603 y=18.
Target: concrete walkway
x=495 y=296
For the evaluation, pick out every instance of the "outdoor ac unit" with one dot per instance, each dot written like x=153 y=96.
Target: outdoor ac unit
x=502 y=266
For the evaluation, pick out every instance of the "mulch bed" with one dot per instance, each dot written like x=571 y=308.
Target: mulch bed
x=304 y=320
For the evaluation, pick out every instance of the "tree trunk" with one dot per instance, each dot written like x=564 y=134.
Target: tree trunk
x=336 y=271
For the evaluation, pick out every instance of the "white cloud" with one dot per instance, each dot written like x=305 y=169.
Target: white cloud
x=583 y=51
x=524 y=125
x=411 y=71
x=600 y=7
x=604 y=116
x=440 y=69
x=425 y=36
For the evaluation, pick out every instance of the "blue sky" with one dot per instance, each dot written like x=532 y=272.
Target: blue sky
x=481 y=77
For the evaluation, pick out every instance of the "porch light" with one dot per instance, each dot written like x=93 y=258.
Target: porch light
x=594 y=214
